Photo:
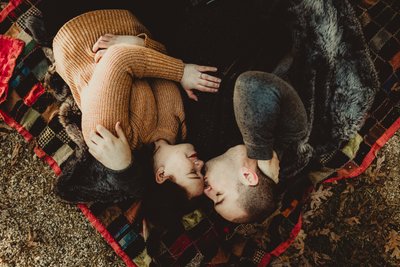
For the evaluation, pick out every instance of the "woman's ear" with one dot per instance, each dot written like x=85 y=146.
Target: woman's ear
x=160 y=175
x=248 y=177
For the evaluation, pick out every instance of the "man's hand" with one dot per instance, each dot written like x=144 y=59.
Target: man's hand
x=194 y=78
x=270 y=167
x=107 y=40
x=112 y=151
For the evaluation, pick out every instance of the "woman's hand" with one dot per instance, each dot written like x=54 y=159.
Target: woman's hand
x=112 y=151
x=194 y=78
x=107 y=40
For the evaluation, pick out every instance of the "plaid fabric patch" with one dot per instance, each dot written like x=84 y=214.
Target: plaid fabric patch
x=199 y=242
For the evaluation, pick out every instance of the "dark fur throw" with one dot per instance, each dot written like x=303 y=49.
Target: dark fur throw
x=332 y=71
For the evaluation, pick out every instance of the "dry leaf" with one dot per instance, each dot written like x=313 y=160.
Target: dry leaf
x=319 y=232
x=15 y=153
x=349 y=188
x=334 y=237
x=379 y=162
x=32 y=236
x=325 y=257
x=281 y=261
x=393 y=244
x=299 y=242
x=304 y=262
x=374 y=173
x=318 y=196
x=5 y=128
x=352 y=221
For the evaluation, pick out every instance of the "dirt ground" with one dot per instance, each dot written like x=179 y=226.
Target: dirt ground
x=353 y=222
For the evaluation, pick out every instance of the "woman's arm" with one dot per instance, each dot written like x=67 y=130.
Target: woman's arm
x=142 y=39
x=152 y=44
x=141 y=62
x=194 y=78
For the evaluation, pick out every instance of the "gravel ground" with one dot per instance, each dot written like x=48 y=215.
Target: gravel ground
x=37 y=230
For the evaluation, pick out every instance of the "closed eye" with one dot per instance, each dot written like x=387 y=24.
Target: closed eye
x=193 y=175
x=219 y=200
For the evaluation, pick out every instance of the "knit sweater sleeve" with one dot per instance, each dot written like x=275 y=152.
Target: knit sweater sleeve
x=139 y=62
x=152 y=44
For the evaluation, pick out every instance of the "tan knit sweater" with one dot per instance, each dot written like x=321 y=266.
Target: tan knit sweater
x=130 y=84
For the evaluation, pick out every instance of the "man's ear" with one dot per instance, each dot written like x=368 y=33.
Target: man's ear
x=248 y=177
x=160 y=175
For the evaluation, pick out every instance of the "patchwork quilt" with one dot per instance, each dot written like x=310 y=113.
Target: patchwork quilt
x=201 y=237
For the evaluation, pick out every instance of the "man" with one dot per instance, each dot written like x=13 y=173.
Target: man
x=273 y=122
x=336 y=81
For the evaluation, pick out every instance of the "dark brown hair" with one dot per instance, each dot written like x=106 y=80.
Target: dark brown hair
x=259 y=201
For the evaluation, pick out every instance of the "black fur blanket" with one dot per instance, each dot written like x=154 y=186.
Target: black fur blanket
x=331 y=70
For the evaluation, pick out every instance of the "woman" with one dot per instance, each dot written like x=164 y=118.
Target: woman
x=122 y=80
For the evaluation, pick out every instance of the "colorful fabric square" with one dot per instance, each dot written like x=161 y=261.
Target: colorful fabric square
x=194 y=241
x=10 y=49
x=33 y=11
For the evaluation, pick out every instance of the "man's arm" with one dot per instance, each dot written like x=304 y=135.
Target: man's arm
x=269 y=113
x=257 y=108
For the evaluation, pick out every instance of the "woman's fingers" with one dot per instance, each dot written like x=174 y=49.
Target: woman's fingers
x=205 y=89
x=211 y=85
x=120 y=132
x=104 y=133
x=99 y=55
x=210 y=78
x=102 y=43
x=191 y=95
x=206 y=68
x=95 y=138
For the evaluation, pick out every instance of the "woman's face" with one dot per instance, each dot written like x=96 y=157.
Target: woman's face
x=180 y=164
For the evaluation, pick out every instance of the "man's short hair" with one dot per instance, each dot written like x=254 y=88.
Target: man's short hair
x=258 y=201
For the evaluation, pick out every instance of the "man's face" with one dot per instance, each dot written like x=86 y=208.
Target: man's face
x=222 y=181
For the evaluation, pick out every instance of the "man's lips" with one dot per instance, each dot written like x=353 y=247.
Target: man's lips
x=194 y=155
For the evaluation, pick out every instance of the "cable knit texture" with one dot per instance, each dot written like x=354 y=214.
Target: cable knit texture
x=130 y=84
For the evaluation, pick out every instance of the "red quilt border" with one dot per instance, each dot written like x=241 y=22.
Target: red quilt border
x=9 y=8
x=371 y=155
